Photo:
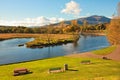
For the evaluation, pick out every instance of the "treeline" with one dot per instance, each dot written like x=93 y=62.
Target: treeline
x=11 y=29
x=58 y=29
x=85 y=27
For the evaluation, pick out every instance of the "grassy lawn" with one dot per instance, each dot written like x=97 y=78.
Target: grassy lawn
x=105 y=51
x=98 y=70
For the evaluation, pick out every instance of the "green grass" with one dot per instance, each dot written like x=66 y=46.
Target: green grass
x=99 y=70
x=105 y=51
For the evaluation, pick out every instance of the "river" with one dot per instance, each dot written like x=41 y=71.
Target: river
x=11 y=53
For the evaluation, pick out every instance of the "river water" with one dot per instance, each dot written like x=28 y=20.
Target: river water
x=11 y=53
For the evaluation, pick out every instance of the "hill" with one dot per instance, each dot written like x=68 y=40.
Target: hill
x=95 y=19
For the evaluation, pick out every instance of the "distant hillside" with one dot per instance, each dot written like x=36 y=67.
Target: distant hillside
x=92 y=20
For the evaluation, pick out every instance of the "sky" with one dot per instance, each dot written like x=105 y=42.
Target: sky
x=44 y=12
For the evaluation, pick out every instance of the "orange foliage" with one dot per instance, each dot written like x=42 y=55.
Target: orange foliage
x=114 y=31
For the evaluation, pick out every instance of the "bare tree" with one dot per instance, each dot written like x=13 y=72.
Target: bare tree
x=118 y=10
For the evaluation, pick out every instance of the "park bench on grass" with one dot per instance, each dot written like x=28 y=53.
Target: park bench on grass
x=55 y=70
x=86 y=62
x=21 y=71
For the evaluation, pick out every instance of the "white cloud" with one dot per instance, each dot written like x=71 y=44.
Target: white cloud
x=72 y=8
x=53 y=20
x=39 y=21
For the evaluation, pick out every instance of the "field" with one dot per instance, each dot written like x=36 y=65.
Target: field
x=4 y=36
x=20 y=35
x=99 y=70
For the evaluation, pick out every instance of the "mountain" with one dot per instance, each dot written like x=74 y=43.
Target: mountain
x=95 y=19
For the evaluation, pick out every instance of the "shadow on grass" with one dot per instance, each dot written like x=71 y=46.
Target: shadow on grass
x=72 y=70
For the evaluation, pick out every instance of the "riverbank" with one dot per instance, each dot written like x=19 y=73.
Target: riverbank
x=96 y=34
x=113 y=54
x=6 y=36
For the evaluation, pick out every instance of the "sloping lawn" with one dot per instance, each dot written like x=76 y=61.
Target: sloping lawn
x=98 y=70
x=105 y=51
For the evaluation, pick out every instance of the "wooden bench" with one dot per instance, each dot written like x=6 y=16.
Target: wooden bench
x=55 y=70
x=21 y=71
x=86 y=62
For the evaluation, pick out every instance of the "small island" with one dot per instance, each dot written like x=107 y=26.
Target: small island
x=50 y=40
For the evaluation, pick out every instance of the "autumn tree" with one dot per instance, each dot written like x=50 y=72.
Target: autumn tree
x=114 y=28
x=74 y=26
x=62 y=24
x=85 y=24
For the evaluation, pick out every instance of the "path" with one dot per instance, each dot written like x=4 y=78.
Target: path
x=115 y=55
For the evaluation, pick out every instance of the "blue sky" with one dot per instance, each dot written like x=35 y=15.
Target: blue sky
x=20 y=9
